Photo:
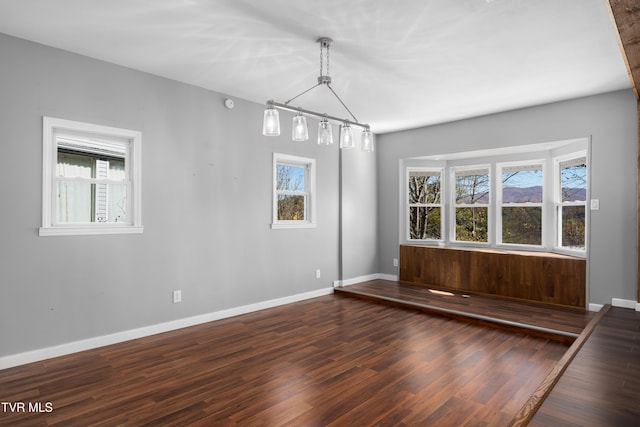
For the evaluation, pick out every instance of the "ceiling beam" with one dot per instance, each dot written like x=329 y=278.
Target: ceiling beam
x=625 y=15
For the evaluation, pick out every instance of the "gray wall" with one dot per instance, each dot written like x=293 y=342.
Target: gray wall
x=206 y=206
x=611 y=122
x=359 y=217
x=207 y=200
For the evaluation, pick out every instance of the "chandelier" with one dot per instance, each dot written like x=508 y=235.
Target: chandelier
x=299 y=129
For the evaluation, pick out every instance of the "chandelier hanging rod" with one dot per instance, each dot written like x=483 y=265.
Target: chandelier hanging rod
x=300 y=130
x=286 y=107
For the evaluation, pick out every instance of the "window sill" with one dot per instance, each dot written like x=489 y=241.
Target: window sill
x=278 y=226
x=542 y=252
x=89 y=230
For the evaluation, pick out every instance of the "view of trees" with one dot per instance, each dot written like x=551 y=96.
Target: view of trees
x=573 y=176
x=424 y=188
x=472 y=222
x=290 y=190
x=522 y=224
x=521 y=209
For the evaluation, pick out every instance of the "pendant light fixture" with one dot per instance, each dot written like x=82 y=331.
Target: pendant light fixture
x=325 y=135
x=346 y=136
x=271 y=122
x=300 y=131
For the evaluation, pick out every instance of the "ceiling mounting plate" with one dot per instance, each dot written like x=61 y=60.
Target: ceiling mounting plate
x=325 y=41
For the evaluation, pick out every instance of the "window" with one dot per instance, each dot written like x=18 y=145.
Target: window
x=571 y=202
x=520 y=203
x=472 y=198
x=91 y=179
x=424 y=204
x=293 y=192
x=531 y=197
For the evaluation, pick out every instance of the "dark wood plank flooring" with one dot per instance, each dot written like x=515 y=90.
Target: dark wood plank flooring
x=556 y=322
x=325 y=361
x=601 y=386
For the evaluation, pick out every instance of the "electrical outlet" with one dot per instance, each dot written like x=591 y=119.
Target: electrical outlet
x=395 y=262
x=177 y=296
x=317 y=274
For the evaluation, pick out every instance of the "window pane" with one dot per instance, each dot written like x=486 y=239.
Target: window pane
x=424 y=223
x=472 y=224
x=573 y=226
x=522 y=184
x=73 y=165
x=87 y=165
x=291 y=207
x=290 y=177
x=424 y=187
x=75 y=202
x=522 y=225
x=81 y=202
x=472 y=187
x=116 y=170
x=573 y=176
x=116 y=203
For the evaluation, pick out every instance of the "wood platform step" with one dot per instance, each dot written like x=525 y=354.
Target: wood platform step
x=552 y=322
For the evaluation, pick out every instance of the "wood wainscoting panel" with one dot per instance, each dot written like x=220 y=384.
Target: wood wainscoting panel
x=533 y=276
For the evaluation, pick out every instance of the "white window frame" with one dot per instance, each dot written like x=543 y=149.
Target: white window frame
x=558 y=204
x=51 y=128
x=454 y=206
x=499 y=203
x=309 y=192
x=441 y=205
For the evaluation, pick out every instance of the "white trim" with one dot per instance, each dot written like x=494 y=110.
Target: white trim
x=284 y=225
x=595 y=307
x=95 y=342
x=354 y=280
x=407 y=205
x=500 y=205
x=474 y=169
x=86 y=231
x=310 y=191
x=361 y=279
x=624 y=303
x=558 y=204
x=133 y=166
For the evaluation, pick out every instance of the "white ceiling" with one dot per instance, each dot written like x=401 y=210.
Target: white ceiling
x=397 y=64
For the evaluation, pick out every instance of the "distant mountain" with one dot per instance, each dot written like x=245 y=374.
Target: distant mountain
x=521 y=195
x=534 y=194
x=528 y=194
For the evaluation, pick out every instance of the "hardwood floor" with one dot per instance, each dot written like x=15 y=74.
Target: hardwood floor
x=558 y=323
x=601 y=386
x=326 y=361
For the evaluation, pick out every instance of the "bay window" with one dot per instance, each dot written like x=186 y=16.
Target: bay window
x=472 y=196
x=520 y=203
x=425 y=204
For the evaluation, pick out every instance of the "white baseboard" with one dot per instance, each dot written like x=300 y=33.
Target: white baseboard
x=595 y=307
x=95 y=342
x=360 y=279
x=624 y=303
x=617 y=302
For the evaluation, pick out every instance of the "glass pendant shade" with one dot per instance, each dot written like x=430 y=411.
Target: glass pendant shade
x=346 y=137
x=367 y=140
x=271 y=122
x=299 y=130
x=325 y=135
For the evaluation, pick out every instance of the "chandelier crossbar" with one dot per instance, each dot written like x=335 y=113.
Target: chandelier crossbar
x=286 y=107
x=271 y=121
